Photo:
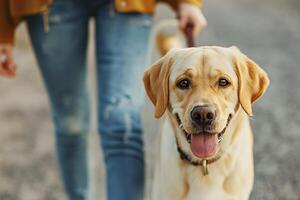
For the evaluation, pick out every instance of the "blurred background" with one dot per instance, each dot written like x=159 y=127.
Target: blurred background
x=267 y=31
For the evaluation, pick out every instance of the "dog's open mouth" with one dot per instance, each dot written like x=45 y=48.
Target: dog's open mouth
x=203 y=145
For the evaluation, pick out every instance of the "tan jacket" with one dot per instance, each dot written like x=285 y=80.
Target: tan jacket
x=12 y=11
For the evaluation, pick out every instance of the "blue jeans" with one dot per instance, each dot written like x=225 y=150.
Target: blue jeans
x=121 y=44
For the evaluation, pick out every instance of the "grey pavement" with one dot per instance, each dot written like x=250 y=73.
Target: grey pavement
x=267 y=31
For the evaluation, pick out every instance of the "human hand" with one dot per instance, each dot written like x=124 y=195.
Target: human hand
x=7 y=64
x=191 y=14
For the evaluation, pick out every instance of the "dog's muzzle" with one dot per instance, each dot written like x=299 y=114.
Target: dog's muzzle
x=188 y=135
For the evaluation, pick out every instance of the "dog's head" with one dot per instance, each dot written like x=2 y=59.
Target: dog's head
x=203 y=88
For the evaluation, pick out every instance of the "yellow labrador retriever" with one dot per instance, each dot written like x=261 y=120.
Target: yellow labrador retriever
x=206 y=143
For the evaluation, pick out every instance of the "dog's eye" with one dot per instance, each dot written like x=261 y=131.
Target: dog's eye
x=223 y=82
x=183 y=84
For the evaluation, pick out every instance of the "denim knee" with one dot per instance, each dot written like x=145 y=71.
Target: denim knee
x=120 y=127
x=71 y=116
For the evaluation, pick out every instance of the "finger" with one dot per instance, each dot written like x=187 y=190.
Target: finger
x=3 y=57
x=2 y=49
x=7 y=73
x=196 y=29
x=199 y=26
x=183 y=22
x=10 y=64
x=203 y=23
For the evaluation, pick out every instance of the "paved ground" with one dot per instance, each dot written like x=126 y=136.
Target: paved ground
x=267 y=31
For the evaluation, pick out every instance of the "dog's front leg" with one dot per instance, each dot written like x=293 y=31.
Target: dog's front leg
x=169 y=178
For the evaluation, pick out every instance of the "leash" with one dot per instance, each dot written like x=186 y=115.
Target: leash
x=190 y=41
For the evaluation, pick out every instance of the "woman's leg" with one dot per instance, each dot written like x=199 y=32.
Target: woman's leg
x=121 y=58
x=61 y=54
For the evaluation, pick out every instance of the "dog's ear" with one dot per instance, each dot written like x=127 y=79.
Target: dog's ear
x=156 y=82
x=253 y=80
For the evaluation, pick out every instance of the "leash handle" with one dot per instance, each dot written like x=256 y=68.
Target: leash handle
x=190 y=42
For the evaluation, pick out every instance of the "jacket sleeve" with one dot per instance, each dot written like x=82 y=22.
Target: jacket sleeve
x=7 y=25
x=174 y=3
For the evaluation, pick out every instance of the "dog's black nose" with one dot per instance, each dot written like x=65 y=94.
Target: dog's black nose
x=203 y=115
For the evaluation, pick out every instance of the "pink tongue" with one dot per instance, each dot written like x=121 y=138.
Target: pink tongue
x=203 y=145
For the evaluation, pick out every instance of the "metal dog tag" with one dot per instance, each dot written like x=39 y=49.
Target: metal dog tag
x=205 y=167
